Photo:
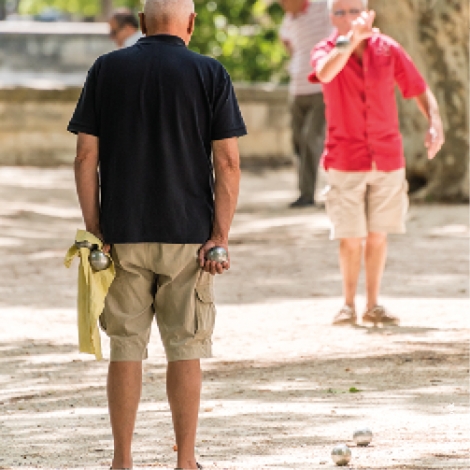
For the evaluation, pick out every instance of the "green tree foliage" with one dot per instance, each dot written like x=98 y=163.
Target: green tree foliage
x=85 y=8
x=79 y=8
x=242 y=34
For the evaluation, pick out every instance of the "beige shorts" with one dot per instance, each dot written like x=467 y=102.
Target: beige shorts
x=361 y=202
x=162 y=281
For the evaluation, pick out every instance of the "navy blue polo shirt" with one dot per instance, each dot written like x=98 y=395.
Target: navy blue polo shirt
x=156 y=108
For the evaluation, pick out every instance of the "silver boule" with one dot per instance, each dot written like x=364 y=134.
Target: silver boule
x=99 y=261
x=85 y=244
x=362 y=437
x=217 y=254
x=342 y=43
x=341 y=455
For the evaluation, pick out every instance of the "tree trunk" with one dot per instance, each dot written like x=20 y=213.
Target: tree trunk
x=106 y=9
x=435 y=34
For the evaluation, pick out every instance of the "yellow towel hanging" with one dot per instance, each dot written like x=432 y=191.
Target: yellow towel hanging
x=92 y=289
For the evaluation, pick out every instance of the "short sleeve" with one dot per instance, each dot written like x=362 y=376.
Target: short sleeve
x=320 y=51
x=227 y=120
x=85 y=118
x=407 y=76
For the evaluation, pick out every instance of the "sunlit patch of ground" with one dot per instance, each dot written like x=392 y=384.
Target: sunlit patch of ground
x=284 y=386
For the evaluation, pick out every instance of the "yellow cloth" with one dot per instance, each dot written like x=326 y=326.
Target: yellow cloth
x=92 y=289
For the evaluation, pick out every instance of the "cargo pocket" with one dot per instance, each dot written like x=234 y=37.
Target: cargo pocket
x=205 y=309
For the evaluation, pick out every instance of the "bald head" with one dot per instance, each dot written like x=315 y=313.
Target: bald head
x=175 y=17
x=168 y=11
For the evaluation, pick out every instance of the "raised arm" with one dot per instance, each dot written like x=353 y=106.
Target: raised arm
x=434 y=140
x=87 y=184
x=332 y=64
x=227 y=182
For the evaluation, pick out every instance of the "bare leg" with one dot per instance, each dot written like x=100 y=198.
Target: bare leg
x=184 y=394
x=375 y=257
x=350 y=256
x=124 y=390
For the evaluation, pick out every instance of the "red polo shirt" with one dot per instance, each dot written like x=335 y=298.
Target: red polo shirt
x=361 y=110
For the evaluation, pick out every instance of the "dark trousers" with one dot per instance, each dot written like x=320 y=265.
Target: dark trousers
x=308 y=132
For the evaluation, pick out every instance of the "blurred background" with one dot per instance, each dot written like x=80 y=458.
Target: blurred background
x=47 y=46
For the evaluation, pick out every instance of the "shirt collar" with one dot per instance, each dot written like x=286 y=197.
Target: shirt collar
x=165 y=38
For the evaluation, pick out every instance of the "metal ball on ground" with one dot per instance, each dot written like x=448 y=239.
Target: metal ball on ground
x=341 y=455
x=217 y=254
x=362 y=437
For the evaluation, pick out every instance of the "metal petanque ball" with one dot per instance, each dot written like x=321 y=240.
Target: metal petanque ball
x=341 y=455
x=98 y=260
x=362 y=437
x=217 y=254
x=342 y=43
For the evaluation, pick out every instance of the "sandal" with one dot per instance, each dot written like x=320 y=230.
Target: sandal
x=346 y=316
x=378 y=314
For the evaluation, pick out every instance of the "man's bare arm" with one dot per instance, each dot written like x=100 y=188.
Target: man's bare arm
x=227 y=183
x=86 y=180
x=332 y=64
x=427 y=104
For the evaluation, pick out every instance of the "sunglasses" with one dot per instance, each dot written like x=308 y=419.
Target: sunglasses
x=352 y=12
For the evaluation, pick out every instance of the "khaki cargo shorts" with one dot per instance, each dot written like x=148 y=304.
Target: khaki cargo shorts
x=162 y=281
x=361 y=202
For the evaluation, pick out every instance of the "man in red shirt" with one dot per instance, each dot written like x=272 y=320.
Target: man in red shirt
x=367 y=197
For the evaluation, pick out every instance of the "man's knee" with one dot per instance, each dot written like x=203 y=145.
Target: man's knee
x=376 y=239
x=351 y=244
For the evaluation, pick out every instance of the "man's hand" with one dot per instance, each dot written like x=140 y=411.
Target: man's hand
x=97 y=233
x=434 y=139
x=212 y=266
x=362 y=27
x=435 y=135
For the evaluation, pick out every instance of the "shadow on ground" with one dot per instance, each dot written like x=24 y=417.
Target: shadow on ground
x=250 y=409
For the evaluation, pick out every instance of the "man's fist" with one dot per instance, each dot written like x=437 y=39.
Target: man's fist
x=362 y=27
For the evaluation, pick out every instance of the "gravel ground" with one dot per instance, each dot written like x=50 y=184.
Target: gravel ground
x=284 y=386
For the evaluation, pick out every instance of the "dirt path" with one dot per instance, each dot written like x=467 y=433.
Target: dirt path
x=279 y=392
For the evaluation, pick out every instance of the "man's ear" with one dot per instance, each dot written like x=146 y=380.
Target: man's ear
x=192 y=19
x=143 y=25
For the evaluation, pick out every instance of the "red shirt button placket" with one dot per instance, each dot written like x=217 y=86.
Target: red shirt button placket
x=367 y=88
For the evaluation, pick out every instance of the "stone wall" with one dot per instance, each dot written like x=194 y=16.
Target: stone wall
x=266 y=113
x=42 y=69
x=39 y=48
x=33 y=125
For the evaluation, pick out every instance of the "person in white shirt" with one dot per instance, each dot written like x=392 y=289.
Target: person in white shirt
x=304 y=25
x=124 y=28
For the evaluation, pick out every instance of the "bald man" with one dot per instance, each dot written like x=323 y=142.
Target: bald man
x=159 y=122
